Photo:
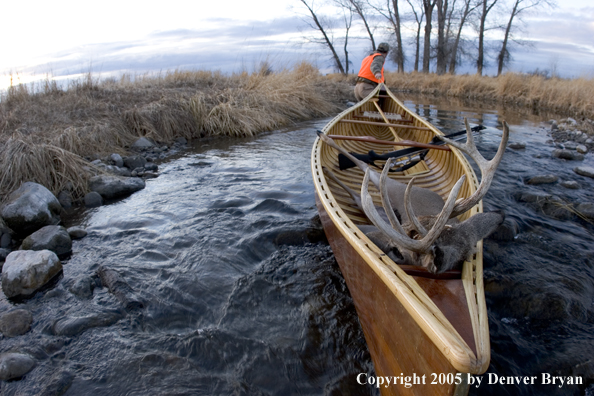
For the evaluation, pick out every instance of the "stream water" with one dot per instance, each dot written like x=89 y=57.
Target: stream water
x=237 y=303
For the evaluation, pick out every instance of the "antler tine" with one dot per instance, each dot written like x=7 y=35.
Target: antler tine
x=410 y=212
x=487 y=167
x=402 y=240
x=371 y=212
x=386 y=199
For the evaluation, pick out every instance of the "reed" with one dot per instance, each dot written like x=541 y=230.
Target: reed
x=46 y=131
x=570 y=97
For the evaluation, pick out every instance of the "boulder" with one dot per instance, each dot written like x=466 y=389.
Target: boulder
x=31 y=207
x=16 y=322
x=572 y=185
x=567 y=155
x=54 y=238
x=582 y=149
x=65 y=199
x=93 y=200
x=119 y=288
x=151 y=166
x=77 y=232
x=117 y=160
x=134 y=161
x=71 y=326
x=587 y=171
x=82 y=288
x=517 y=145
x=25 y=271
x=111 y=187
x=142 y=143
x=15 y=365
x=542 y=179
x=586 y=209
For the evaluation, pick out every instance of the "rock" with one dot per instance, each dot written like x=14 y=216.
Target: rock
x=71 y=326
x=143 y=143
x=77 y=232
x=16 y=322
x=586 y=209
x=151 y=166
x=25 y=271
x=117 y=160
x=567 y=155
x=557 y=210
x=119 y=288
x=573 y=185
x=150 y=175
x=181 y=141
x=542 y=179
x=507 y=231
x=54 y=238
x=111 y=187
x=582 y=149
x=570 y=145
x=517 y=145
x=31 y=207
x=58 y=384
x=533 y=197
x=587 y=171
x=93 y=199
x=134 y=161
x=83 y=288
x=65 y=199
x=114 y=170
x=5 y=241
x=3 y=254
x=15 y=365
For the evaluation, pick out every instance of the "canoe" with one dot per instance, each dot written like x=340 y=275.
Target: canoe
x=416 y=324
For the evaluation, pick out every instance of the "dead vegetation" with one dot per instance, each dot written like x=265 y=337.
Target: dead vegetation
x=46 y=131
x=569 y=97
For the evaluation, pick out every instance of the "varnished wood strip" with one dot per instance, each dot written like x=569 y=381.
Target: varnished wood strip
x=385 y=124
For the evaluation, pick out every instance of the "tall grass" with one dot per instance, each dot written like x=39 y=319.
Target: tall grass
x=569 y=97
x=46 y=131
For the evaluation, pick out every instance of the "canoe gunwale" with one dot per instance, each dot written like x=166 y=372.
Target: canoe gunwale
x=408 y=292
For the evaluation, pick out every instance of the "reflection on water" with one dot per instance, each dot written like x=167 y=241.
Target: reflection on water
x=229 y=310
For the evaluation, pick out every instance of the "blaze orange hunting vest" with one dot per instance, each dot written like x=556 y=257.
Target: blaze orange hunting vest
x=365 y=71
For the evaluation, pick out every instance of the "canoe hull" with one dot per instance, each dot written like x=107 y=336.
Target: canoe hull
x=396 y=342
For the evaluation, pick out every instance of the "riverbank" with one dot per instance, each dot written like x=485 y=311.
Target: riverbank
x=49 y=134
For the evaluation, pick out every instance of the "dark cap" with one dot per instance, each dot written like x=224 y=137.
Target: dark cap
x=383 y=47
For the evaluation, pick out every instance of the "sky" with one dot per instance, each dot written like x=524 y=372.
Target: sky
x=63 y=39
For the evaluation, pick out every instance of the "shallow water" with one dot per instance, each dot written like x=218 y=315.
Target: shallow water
x=236 y=303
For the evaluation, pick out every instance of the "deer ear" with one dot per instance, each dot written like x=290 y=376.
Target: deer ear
x=481 y=225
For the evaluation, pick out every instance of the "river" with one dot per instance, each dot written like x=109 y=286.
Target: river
x=237 y=304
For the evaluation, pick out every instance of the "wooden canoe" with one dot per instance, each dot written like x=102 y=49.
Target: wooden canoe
x=413 y=323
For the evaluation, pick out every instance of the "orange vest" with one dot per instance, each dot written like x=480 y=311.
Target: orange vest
x=365 y=71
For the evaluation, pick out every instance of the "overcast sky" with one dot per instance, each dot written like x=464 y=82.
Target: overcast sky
x=67 y=37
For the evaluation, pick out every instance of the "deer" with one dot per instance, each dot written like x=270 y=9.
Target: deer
x=415 y=226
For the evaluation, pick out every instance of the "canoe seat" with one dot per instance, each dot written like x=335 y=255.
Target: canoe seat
x=377 y=115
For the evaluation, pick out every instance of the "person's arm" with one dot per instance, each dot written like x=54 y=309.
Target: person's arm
x=376 y=66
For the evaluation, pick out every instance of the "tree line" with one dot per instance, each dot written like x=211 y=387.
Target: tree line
x=442 y=33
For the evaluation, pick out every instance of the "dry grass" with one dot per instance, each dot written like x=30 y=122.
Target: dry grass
x=46 y=131
x=569 y=97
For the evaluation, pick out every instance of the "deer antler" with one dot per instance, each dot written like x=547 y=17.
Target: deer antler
x=487 y=167
x=400 y=238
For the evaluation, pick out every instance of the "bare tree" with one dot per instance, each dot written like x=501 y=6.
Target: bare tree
x=392 y=14
x=419 y=20
x=348 y=22
x=428 y=6
x=359 y=7
x=465 y=12
x=442 y=12
x=486 y=7
x=519 y=6
x=326 y=40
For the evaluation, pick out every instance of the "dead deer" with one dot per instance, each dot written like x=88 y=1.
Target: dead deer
x=428 y=232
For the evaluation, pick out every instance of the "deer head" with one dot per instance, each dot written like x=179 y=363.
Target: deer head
x=429 y=233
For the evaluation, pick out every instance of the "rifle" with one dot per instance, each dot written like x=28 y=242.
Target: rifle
x=413 y=154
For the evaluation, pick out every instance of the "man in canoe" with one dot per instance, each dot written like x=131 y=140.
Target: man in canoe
x=372 y=71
